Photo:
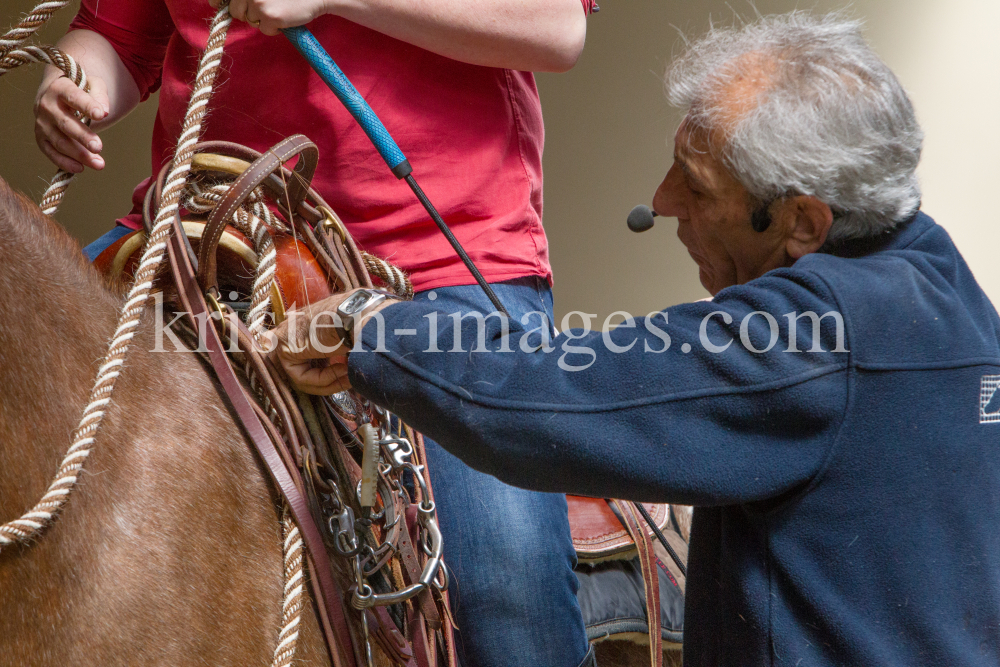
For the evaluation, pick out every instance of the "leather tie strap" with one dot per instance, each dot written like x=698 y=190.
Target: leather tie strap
x=296 y=191
x=650 y=577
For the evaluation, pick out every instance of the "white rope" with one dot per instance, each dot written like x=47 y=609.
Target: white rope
x=394 y=278
x=292 y=603
x=41 y=515
x=27 y=26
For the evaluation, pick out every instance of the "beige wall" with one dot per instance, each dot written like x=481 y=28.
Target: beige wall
x=608 y=140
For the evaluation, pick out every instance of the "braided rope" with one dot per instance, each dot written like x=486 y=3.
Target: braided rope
x=291 y=608
x=255 y=226
x=48 y=55
x=11 y=57
x=394 y=278
x=35 y=520
x=27 y=27
x=267 y=267
x=54 y=193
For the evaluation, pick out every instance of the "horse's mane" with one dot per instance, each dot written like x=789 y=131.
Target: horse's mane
x=36 y=251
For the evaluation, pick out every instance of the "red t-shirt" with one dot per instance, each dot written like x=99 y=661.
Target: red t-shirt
x=473 y=134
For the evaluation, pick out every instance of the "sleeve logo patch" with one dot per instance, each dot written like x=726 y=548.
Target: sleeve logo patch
x=989 y=400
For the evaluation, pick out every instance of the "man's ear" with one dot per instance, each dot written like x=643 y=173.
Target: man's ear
x=809 y=223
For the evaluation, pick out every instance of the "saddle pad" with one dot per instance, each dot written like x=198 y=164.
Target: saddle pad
x=612 y=598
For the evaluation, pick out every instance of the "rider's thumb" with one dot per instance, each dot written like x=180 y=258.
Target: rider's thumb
x=99 y=92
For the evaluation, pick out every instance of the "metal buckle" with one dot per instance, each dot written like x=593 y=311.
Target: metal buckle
x=214 y=305
x=330 y=221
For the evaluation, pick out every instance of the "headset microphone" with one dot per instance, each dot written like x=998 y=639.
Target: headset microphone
x=641 y=218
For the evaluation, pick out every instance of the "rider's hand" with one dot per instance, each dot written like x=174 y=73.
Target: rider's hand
x=270 y=16
x=63 y=138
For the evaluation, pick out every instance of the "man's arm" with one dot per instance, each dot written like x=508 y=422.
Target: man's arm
x=623 y=414
x=528 y=35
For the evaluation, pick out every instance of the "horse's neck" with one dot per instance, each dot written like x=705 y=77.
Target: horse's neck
x=172 y=527
x=55 y=318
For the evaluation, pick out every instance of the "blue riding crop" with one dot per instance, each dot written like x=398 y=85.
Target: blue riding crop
x=327 y=69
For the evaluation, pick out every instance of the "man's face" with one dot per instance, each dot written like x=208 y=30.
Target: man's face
x=713 y=212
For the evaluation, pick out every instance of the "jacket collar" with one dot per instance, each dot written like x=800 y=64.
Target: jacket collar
x=896 y=238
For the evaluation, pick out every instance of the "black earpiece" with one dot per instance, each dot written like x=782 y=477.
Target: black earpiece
x=760 y=217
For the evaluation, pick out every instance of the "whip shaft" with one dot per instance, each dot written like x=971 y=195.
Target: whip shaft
x=332 y=76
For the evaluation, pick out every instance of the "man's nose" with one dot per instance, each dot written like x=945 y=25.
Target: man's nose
x=668 y=200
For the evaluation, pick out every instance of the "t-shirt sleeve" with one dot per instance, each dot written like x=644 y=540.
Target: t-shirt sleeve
x=709 y=418
x=139 y=31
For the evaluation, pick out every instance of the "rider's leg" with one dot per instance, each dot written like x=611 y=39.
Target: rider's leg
x=509 y=550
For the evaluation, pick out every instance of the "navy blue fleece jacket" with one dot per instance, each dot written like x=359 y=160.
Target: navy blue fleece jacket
x=847 y=502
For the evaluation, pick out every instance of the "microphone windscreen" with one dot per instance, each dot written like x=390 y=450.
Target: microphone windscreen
x=641 y=218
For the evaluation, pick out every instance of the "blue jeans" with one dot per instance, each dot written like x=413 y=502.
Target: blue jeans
x=513 y=589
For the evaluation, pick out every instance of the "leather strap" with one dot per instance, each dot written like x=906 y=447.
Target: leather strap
x=412 y=570
x=388 y=636
x=246 y=183
x=329 y=597
x=448 y=624
x=650 y=577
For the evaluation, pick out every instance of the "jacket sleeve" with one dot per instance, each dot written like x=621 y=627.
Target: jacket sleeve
x=628 y=413
x=138 y=30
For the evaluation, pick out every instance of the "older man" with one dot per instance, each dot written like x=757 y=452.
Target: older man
x=830 y=414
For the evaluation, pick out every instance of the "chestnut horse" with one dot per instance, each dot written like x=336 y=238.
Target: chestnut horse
x=168 y=551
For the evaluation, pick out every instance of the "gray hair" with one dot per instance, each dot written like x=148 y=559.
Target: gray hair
x=830 y=119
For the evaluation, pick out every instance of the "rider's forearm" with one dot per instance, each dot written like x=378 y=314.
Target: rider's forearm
x=99 y=59
x=529 y=35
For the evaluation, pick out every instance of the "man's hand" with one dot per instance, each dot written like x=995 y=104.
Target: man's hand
x=308 y=348
x=60 y=134
x=270 y=16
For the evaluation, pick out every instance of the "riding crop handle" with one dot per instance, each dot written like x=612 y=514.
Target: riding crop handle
x=332 y=76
